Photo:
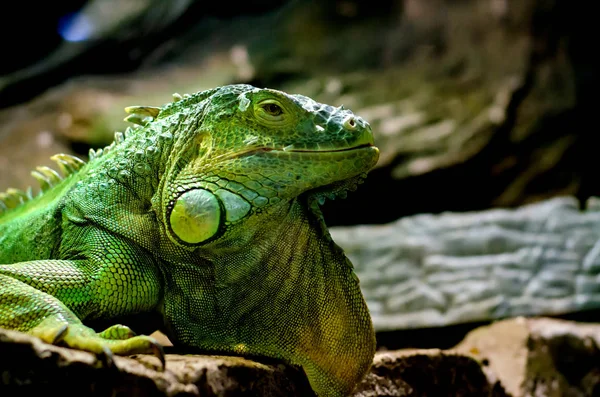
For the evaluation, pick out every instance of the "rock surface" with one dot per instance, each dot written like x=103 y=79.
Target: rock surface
x=539 y=357
x=30 y=366
x=432 y=270
x=517 y=358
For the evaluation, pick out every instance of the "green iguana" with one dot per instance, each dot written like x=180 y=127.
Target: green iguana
x=206 y=217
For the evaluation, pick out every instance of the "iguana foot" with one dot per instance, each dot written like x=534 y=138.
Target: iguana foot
x=118 y=339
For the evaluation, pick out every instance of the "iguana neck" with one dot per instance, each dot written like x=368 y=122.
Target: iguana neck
x=276 y=248
x=287 y=284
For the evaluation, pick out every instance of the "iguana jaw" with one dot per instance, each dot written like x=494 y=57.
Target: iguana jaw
x=351 y=145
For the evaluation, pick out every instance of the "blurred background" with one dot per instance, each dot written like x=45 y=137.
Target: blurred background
x=475 y=104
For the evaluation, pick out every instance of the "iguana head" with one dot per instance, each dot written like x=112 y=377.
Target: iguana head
x=256 y=148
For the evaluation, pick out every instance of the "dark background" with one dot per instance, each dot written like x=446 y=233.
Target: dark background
x=384 y=45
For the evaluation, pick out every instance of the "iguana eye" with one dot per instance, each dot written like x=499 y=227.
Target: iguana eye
x=274 y=112
x=272 y=109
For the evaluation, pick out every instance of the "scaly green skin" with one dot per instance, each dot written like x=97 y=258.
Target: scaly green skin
x=207 y=217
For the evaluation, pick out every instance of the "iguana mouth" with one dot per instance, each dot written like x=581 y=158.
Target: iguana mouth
x=287 y=149
x=346 y=149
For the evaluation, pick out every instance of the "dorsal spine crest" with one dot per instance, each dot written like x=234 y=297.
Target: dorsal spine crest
x=68 y=164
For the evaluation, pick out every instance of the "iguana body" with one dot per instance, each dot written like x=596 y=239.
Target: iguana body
x=206 y=216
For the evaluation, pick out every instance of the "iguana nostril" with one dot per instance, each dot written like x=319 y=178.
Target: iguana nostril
x=350 y=123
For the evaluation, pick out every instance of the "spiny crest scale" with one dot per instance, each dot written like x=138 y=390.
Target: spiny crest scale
x=46 y=177
x=67 y=164
x=141 y=115
x=12 y=198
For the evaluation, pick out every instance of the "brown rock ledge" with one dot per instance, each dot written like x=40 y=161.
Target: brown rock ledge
x=516 y=357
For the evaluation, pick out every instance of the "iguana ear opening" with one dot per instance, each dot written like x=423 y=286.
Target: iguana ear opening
x=195 y=217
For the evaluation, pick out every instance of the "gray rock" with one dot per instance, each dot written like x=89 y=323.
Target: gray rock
x=431 y=270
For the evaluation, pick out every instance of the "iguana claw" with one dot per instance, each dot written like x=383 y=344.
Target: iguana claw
x=60 y=334
x=159 y=352
x=106 y=357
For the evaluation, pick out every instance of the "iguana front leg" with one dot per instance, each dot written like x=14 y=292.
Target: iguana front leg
x=50 y=298
x=27 y=309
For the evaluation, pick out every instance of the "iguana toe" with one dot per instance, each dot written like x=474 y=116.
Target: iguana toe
x=117 y=332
